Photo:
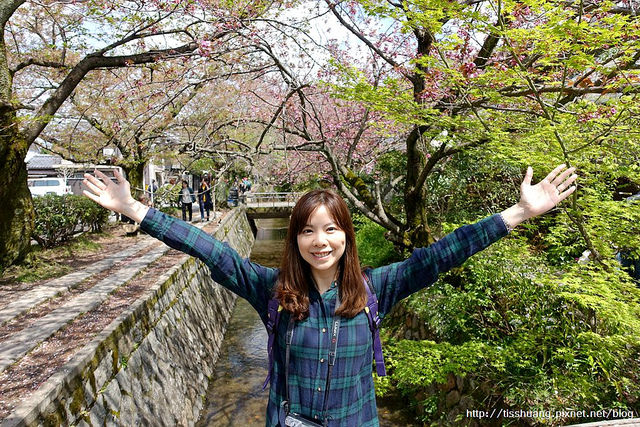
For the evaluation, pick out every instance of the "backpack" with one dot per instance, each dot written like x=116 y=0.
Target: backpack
x=274 y=310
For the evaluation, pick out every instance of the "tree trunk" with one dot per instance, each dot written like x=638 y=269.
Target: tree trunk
x=16 y=214
x=16 y=211
x=134 y=173
x=417 y=232
x=16 y=207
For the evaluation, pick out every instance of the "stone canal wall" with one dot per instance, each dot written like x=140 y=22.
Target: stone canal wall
x=151 y=365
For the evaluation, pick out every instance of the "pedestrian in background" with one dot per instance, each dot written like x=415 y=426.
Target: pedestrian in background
x=186 y=199
x=204 y=199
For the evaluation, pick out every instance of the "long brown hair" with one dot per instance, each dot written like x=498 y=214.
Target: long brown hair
x=294 y=281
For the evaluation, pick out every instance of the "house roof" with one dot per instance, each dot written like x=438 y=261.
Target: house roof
x=44 y=161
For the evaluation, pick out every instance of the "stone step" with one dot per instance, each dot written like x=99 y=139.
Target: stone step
x=18 y=345
x=62 y=284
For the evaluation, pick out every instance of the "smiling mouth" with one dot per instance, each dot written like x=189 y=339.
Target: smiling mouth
x=321 y=255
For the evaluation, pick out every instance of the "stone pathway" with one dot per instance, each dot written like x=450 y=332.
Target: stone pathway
x=55 y=287
x=126 y=265
x=19 y=344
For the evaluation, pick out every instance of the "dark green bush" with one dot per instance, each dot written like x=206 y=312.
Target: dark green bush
x=524 y=335
x=91 y=214
x=57 y=218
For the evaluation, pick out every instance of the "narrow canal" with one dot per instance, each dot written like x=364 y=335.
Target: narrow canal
x=235 y=396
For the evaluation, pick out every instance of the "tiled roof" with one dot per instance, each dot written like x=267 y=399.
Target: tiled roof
x=43 y=161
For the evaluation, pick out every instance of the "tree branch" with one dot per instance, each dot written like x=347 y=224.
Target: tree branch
x=38 y=62
x=79 y=71
x=358 y=34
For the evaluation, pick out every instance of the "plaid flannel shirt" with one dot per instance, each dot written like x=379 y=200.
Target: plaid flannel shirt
x=351 y=397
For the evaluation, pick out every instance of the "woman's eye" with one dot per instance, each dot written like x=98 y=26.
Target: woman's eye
x=307 y=231
x=331 y=228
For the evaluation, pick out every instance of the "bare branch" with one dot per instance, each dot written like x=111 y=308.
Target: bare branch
x=38 y=62
x=358 y=34
x=92 y=62
x=569 y=90
x=361 y=128
x=275 y=115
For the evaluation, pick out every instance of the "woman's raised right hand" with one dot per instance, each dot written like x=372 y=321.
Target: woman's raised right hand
x=115 y=196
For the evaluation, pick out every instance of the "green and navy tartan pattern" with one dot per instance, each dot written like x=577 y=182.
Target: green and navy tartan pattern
x=351 y=397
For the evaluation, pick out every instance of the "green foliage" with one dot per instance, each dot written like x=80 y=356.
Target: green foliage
x=203 y=165
x=472 y=185
x=373 y=248
x=167 y=196
x=421 y=363
x=171 y=210
x=57 y=218
x=312 y=182
x=91 y=214
x=537 y=336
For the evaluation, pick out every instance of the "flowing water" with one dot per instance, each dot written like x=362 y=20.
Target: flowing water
x=235 y=396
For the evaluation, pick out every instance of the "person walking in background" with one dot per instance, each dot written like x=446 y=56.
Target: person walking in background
x=319 y=376
x=186 y=199
x=204 y=199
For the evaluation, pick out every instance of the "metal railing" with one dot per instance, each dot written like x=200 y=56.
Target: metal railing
x=271 y=199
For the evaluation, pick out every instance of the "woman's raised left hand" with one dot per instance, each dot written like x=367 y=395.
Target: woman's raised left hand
x=543 y=196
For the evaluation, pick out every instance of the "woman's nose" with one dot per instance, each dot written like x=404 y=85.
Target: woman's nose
x=320 y=239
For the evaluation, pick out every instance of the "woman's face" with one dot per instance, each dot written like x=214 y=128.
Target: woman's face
x=321 y=242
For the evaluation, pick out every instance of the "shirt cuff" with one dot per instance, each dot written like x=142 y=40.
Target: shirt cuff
x=155 y=223
x=506 y=226
x=147 y=218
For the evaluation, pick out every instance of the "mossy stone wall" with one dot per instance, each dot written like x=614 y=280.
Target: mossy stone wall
x=152 y=365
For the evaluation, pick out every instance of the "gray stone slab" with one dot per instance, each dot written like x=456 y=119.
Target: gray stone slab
x=32 y=407
x=19 y=344
x=54 y=287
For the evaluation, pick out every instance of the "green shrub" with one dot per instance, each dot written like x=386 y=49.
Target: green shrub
x=167 y=196
x=171 y=210
x=57 y=218
x=374 y=249
x=526 y=335
x=90 y=213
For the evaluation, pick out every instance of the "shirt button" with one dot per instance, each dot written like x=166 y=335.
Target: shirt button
x=319 y=388
x=322 y=360
x=324 y=329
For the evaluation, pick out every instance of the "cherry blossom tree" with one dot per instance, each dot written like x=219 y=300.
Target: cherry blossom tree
x=532 y=82
x=129 y=110
x=50 y=48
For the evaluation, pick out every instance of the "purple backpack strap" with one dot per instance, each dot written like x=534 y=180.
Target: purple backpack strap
x=374 y=324
x=274 y=309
